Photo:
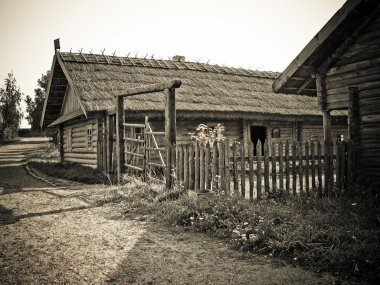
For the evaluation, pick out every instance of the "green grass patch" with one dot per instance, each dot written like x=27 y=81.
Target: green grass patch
x=71 y=171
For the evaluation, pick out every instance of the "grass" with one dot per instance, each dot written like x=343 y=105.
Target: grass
x=340 y=235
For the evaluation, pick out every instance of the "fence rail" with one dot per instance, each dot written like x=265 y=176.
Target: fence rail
x=230 y=166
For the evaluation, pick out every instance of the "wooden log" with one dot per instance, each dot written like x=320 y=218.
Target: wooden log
x=274 y=166
x=196 y=168
x=227 y=166
x=281 y=166
x=259 y=170
x=242 y=168
x=294 y=167
x=120 y=158
x=170 y=85
x=251 y=170
x=312 y=153
x=300 y=166
x=207 y=166
x=307 y=165
x=319 y=154
x=191 y=166
x=221 y=166
x=235 y=167
x=170 y=134
x=214 y=170
x=266 y=167
x=287 y=168
x=201 y=168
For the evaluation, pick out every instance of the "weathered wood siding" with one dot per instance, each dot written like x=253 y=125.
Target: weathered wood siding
x=79 y=152
x=71 y=102
x=360 y=67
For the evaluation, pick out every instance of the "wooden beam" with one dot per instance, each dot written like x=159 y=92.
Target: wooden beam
x=149 y=88
x=170 y=130
x=304 y=84
x=120 y=157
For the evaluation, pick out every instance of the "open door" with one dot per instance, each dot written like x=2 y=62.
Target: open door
x=258 y=133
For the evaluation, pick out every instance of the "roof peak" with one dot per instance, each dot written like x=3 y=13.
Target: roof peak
x=172 y=63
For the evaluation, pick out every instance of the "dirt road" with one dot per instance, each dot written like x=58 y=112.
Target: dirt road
x=57 y=235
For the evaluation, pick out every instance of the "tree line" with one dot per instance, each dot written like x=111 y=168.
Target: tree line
x=10 y=105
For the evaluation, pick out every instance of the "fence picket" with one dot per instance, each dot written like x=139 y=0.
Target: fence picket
x=227 y=166
x=221 y=166
x=196 y=168
x=343 y=166
x=207 y=166
x=250 y=167
x=300 y=166
x=294 y=166
x=258 y=170
x=274 y=166
x=307 y=162
x=185 y=167
x=235 y=167
x=191 y=167
x=312 y=153
x=242 y=168
x=214 y=170
x=281 y=166
x=201 y=168
x=287 y=168
x=338 y=165
x=319 y=151
x=266 y=167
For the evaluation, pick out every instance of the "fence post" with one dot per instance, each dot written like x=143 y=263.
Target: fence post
x=186 y=167
x=266 y=167
x=221 y=166
x=319 y=150
x=214 y=170
x=196 y=168
x=201 y=167
x=287 y=167
x=250 y=163
x=170 y=134
x=191 y=166
x=242 y=168
x=307 y=186
x=259 y=183
x=274 y=165
x=120 y=153
x=227 y=166
x=294 y=167
x=312 y=152
x=343 y=168
x=281 y=166
x=338 y=165
x=235 y=167
x=207 y=166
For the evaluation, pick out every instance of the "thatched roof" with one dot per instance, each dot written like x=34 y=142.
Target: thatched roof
x=205 y=87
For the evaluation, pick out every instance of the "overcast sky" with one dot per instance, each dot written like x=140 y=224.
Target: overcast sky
x=257 y=34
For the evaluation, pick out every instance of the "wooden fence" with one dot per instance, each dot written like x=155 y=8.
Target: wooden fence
x=230 y=166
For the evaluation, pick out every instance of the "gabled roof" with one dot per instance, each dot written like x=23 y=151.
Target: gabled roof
x=205 y=87
x=325 y=47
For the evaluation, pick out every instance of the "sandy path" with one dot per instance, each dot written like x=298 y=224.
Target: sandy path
x=58 y=236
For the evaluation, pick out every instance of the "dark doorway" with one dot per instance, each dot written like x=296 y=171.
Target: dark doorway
x=258 y=133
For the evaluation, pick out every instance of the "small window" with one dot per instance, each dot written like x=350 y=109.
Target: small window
x=276 y=133
x=89 y=137
x=69 y=138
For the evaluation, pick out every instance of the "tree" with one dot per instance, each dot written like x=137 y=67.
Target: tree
x=10 y=99
x=34 y=106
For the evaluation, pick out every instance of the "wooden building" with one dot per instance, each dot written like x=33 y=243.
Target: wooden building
x=80 y=102
x=341 y=65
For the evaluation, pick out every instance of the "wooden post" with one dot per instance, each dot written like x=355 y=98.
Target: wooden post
x=120 y=154
x=227 y=166
x=201 y=167
x=259 y=183
x=191 y=167
x=250 y=168
x=353 y=129
x=214 y=170
x=312 y=152
x=266 y=167
x=196 y=168
x=281 y=166
x=319 y=154
x=221 y=166
x=207 y=166
x=235 y=167
x=61 y=141
x=338 y=165
x=294 y=167
x=170 y=134
x=274 y=170
x=186 y=167
x=300 y=166
x=145 y=158
x=242 y=168
x=287 y=168
x=307 y=161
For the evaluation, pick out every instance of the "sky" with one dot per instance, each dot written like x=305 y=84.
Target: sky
x=257 y=34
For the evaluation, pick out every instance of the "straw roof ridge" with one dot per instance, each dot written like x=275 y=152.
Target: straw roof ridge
x=163 y=64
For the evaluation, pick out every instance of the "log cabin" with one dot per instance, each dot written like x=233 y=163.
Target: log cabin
x=80 y=103
x=341 y=66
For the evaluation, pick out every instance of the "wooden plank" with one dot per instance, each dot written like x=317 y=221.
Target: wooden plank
x=134 y=125
x=338 y=166
x=287 y=168
x=119 y=137
x=227 y=166
x=214 y=170
x=181 y=163
x=274 y=166
x=130 y=140
x=313 y=161
x=159 y=87
x=259 y=170
x=235 y=167
x=134 y=154
x=251 y=171
x=186 y=167
x=294 y=167
x=207 y=166
x=130 y=166
x=156 y=164
x=281 y=166
x=221 y=166
x=319 y=168
x=159 y=149
x=201 y=167
x=300 y=166
x=307 y=165
x=191 y=167
x=155 y=133
x=266 y=167
x=242 y=168
x=196 y=168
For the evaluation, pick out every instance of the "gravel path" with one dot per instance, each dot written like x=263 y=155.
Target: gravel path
x=57 y=235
